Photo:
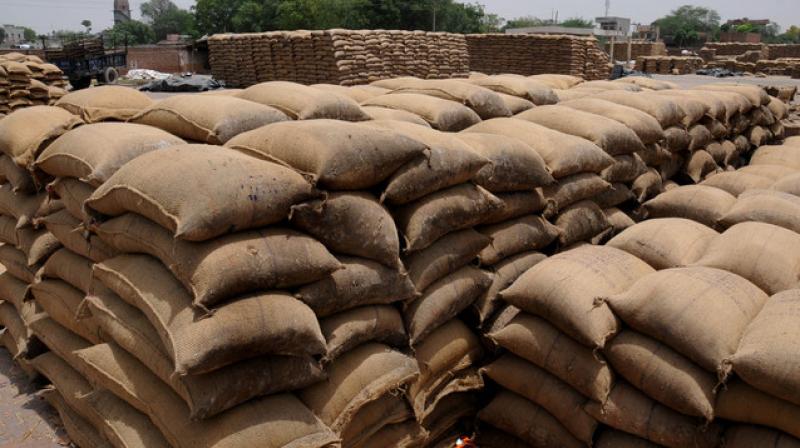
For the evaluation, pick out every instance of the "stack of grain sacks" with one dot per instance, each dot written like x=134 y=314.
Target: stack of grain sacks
x=28 y=81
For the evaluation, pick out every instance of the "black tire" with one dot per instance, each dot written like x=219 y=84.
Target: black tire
x=109 y=76
x=81 y=83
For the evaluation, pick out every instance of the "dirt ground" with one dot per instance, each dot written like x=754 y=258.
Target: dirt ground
x=689 y=81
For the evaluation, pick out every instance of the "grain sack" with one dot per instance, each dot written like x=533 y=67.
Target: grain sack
x=647 y=185
x=718 y=130
x=774 y=172
x=515 y=236
x=486 y=103
x=449 y=162
x=765 y=254
x=336 y=155
x=70 y=267
x=699 y=165
x=20 y=179
x=384 y=113
x=347 y=330
x=665 y=243
x=535 y=340
x=23 y=207
x=654 y=155
x=207 y=119
x=563 y=288
x=662 y=374
x=766 y=355
x=706 y=205
x=370 y=419
x=444 y=256
x=301 y=102
x=102 y=103
x=618 y=219
x=24 y=133
x=532 y=90
x=611 y=438
x=516 y=204
x=406 y=434
x=789 y=184
x=699 y=137
x=359 y=282
x=737 y=182
x=358 y=94
x=527 y=421
x=572 y=189
x=504 y=274
x=423 y=222
x=699 y=312
x=716 y=106
x=274 y=421
x=693 y=109
x=16 y=264
x=72 y=234
x=580 y=221
x=61 y=302
x=223 y=268
x=613 y=137
x=13 y=290
x=81 y=432
x=564 y=154
x=241 y=192
x=671 y=168
x=676 y=139
x=561 y=401
x=120 y=422
x=242 y=329
x=742 y=403
x=72 y=193
x=441 y=114
x=558 y=81
x=58 y=339
x=643 y=125
x=356 y=379
x=772 y=207
x=755 y=94
x=631 y=411
x=514 y=165
x=662 y=109
x=490 y=437
x=516 y=104
x=618 y=194
x=36 y=244
x=15 y=325
x=576 y=94
x=784 y=155
x=443 y=300
x=747 y=436
x=340 y=221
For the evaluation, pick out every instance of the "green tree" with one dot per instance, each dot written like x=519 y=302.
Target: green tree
x=685 y=24
x=524 y=22
x=131 y=31
x=217 y=16
x=165 y=17
x=577 y=22
x=29 y=34
x=88 y=25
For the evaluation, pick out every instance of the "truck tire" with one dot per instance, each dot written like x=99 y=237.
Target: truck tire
x=109 y=76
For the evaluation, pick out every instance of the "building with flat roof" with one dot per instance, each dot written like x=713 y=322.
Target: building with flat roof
x=15 y=35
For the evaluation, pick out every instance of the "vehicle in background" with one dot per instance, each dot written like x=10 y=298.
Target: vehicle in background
x=85 y=59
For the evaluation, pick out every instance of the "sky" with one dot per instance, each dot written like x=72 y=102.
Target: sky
x=46 y=15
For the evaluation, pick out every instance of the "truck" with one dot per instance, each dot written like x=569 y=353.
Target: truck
x=84 y=59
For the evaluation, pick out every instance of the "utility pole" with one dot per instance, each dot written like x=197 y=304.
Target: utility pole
x=608 y=7
x=434 y=14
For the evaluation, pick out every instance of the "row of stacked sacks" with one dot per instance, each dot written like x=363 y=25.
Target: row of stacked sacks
x=25 y=80
x=144 y=302
x=668 y=65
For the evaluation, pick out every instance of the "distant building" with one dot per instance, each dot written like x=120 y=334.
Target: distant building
x=15 y=35
x=647 y=32
x=619 y=26
x=745 y=20
x=122 y=11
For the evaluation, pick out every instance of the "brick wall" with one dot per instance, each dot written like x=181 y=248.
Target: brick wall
x=167 y=59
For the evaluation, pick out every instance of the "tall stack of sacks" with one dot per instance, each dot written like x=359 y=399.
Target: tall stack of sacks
x=25 y=80
x=554 y=341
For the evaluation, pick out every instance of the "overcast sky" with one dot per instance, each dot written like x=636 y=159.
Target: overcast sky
x=46 y=15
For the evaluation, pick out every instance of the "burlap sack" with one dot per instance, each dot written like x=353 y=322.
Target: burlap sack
x=491 y=437
x=530 y=89
x=706 y=205
x=611 y=438
x=647 y=186
x=737 y=182
x=120 y=423
x=208 y=119
x=20 y=179
x=693 y=108
x=515 y=166
x=389 y=409
x=699 y=165
x=581 y=221
x=740 y=402
x=789 y=184
x=336 y=155
x=515 y=236
x=94 y=152
x=61 y=302
x=80 y=431
x=774 y=172
x=72 y=234
x=785 y=155
x=13 y=290
x=70 y=267
x=618 y=194
x=486 y=103
x=751 y=436
x=441 y=114
x=22 y=207
x=676 y=139
x=105 y=103
x=558 y=81
x=384 y=113
x=16 y=326
x=662 y=109
x=572 y=189
x=358 y=94
x=375 y=323
x=407 y=434
x=25 y=133
x=58 y=339
x=647 y=128
x=517 y=204
x=446 y=255
x=72 y=193
x=618 y=219
x=755 y=94
x=772 y=207
x=665 y=243
x=37 y=245
x=301 y=102
x=503 y=275
x=516 y=104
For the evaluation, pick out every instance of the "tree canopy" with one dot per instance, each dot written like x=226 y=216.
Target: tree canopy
x=165 y=17
x=133 y=32
x=686 y=24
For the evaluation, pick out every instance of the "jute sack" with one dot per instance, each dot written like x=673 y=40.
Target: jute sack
x=351 y=223
x=220 y=269
x=647 y=185
x=359 y=282
x=716 y=128
x=58 y=339
x=662 y=109
x=665 y=243
x=441 y=114
x=26 y=132
x=564 y=154
x=207 y=394
x=737 y=182
x=643 y=125
x=633 y=412
x=443 y=300
x=740 y=402
x=22 y=207
x=75 y=237
x=356 y=93
x=611 y=438
x=515 y=236
x=388 y=410
x=36 y=244
x=491 y=437
x=701 y=203
x=334 y=154
x=374 y=323
x=655 y=155
x=699 y=165
x=789 y=184
x=700 y=137
x=72 y=193
x=517 y=204
x=765 y=254
x=16 y=264
x=766 y=357
x=535 y=340
x=774 y=172
x=105 y=103
x=516 y=104
x=407 y=434
x=430 y=218
x=245 y=328
x=693 y=108
x=777 y=155
x=572 y=189
x=772 y=207
x=676 y=139
x=715 y=107
x=563 y=288
x=529 y=89
x=556 y=397
x=662 y=374
x=755 y=94
x=618 y=219
x=13 y=290
x=613 y=137
x=20 y=178
x=80 y=431
x=557 y=81
x=576 y=94
x=699 y=312
x=503 y=275
x=515 y=166
x=120 y=423
x=301 y=102
x=384 y=113
x=207 y=119
x=275 y=421
x=16 y=326
x=356 y=379
x=486 y=103
x=61 y=302
x=449 y=162
x=444 y=256
x=778 y=108
x=456 y=405
x=94 y=152
x=581 y=221
x=70 y=267
x=527 y=421
x=240 y=192
x=618 y=194
x=747 y=436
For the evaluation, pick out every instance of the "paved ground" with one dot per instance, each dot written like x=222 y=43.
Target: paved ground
x=689 y=81
x=25 y=420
